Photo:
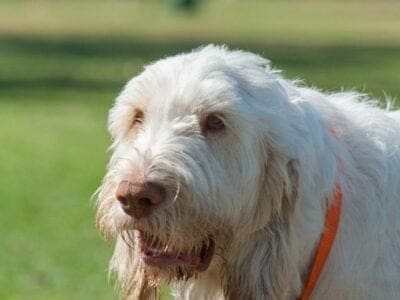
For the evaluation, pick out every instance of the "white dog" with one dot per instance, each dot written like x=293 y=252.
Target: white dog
x=223 y=174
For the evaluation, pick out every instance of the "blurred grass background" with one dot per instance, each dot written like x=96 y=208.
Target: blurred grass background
x=63 y=62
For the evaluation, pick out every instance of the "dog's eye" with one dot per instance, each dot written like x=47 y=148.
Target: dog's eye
x=138 y=118
x=213 y=123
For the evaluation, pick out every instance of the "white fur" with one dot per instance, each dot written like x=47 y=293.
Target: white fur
x=262 y=187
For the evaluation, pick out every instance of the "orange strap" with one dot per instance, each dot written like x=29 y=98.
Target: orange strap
x=325 y=245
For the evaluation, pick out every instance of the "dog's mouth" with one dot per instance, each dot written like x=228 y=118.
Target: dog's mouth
x=159 y=255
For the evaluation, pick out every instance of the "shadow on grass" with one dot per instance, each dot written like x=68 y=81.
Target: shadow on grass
x=59 y=83
x=131 y=46
x=307 y=61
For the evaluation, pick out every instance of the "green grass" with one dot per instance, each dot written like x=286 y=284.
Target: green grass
x=62 y=63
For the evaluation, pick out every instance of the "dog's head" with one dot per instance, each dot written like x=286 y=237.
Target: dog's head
x=199 y=140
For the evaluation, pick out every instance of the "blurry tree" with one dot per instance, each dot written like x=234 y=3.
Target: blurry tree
x=182 y=4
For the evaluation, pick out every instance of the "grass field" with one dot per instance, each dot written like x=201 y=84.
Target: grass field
x=63 y=62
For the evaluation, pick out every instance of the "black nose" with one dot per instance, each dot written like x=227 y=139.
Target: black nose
x=139 y=199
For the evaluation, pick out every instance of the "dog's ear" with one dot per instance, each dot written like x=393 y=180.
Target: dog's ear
x=267 y=252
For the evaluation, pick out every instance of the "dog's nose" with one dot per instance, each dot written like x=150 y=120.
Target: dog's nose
x=139 y=199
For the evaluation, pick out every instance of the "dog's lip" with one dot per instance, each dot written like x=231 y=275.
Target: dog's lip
x=199 y=261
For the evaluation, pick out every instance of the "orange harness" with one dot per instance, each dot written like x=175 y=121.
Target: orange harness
x=325 y=244
x=327 y=238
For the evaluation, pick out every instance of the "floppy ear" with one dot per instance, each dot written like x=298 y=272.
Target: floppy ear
x=268 y=252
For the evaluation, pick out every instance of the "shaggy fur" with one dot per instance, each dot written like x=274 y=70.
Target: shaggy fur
x=259 y=188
